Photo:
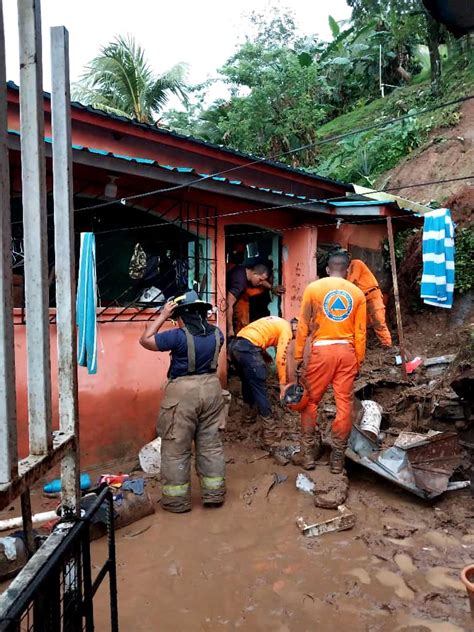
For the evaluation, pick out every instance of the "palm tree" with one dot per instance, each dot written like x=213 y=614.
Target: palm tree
x=119 y=80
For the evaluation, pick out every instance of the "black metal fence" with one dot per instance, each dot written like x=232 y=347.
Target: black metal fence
x=55 y=591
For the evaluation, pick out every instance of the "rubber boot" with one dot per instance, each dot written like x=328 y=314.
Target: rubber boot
x=249 y=414
x=336 y=460
x=310 y=450
x=271 y=432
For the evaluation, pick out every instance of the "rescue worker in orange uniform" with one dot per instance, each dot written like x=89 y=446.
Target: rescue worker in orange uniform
x=359 y=274
x=239 y=279
x=333 y=313
x=247 y=352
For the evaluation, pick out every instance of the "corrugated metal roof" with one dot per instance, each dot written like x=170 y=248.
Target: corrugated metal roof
x=166 y=132
x=183 y=170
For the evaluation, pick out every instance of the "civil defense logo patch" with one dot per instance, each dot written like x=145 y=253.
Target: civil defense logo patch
x=337 y=305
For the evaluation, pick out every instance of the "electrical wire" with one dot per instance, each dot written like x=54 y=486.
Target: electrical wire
x=274 y=157
x=287 y=206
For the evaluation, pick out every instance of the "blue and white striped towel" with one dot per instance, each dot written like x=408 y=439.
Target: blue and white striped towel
x=86 y=304
x=437 y=282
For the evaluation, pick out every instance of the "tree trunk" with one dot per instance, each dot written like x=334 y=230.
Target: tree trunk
x=433 y=31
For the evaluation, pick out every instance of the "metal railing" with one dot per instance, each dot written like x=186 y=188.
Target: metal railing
x=55 y=592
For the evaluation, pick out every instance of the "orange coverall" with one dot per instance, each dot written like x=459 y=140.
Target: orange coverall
x=271 y=331
x=359 y=274
x=333 y=311
x=241 y=316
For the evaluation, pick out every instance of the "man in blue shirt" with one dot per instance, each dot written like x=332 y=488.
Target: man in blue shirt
x=192 y=408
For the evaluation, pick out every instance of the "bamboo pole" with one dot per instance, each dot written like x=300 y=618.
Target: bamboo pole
x=393 y=265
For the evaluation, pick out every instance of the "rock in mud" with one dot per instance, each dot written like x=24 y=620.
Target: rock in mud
x=331 y=490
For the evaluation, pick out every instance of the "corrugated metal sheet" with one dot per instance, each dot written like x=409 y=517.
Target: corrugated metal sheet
x=182 y=170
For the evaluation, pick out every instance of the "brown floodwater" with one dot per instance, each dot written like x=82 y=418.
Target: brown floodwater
x=246 y=566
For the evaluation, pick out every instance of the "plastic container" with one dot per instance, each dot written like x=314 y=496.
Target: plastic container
x=467 y=578
x=113 y=479
x=13 y=556
x=55 y=486
x=150 y=457
x=371 y=419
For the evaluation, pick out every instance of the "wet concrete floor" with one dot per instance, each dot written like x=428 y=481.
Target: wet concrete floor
x=246 y=566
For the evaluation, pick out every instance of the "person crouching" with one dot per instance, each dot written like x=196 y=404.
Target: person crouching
x=192 y=406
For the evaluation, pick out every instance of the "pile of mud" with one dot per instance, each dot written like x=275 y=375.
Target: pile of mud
x=243 y=427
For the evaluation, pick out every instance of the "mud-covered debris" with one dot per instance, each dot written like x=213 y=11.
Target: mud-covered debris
x=398 y=532
x=345 y=520
x=423 y=468
x=305 y=483
x=331 y=489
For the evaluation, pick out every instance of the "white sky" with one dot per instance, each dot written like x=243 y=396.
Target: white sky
x=203 y=34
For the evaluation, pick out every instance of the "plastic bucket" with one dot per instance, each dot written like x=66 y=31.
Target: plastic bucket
x=371 y=418
x=150 y=457
x=467 y=578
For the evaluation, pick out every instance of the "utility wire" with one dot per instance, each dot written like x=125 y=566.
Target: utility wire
x=286 y=206
x=317 y=143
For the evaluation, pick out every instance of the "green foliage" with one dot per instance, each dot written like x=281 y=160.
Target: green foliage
x=119 y=80
x=361 y=158
x=464 y=240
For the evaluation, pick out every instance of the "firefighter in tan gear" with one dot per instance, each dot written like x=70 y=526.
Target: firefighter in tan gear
x=192 y=405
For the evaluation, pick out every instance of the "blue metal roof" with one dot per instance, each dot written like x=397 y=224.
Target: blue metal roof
x=182 y=170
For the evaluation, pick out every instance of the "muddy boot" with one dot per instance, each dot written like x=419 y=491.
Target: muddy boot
x=249 y=414
x=336 y=460
x=310 y=450
x=271 y=432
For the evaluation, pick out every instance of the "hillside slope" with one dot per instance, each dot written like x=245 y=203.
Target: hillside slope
x=435 y=145
x=449 y=153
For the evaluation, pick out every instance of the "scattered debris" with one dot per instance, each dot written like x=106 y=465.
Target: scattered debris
x=136 y=485
x=345 y=520
x=277 y=480
x=54 y=487
x=304 y=483
x=282 y=454
x=423 y=468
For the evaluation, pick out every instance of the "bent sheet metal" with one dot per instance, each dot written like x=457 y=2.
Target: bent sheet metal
x=422 y=467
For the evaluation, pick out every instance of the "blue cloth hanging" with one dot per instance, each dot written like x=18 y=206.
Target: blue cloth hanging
x=86 y=304
x=437 y=282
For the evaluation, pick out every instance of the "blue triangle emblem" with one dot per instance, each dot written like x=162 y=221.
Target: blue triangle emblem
x=338 y=304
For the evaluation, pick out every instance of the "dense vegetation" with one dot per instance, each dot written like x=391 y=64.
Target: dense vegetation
x=288 y=90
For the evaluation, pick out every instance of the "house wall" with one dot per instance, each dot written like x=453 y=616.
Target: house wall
x=118 y=406
x=361 y=235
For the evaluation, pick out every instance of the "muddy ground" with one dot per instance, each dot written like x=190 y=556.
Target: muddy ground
x=246 y=566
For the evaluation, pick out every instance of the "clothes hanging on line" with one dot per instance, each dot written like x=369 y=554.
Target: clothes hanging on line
x=437 y=282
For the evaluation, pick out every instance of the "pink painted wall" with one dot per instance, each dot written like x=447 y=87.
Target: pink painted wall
x=118 y=407
x=299 y=266
x=360 y=235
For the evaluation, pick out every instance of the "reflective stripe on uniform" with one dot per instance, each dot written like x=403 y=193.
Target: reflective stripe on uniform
x=212 y=482
x=175 y=490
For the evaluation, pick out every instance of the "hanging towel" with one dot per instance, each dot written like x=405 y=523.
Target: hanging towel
x=437 y=282
x=86 y=304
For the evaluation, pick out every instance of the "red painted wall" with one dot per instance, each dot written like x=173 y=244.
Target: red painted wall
x=118 y=407
x=299 y=266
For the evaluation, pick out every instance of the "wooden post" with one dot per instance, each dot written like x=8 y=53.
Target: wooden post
x=393 y=265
